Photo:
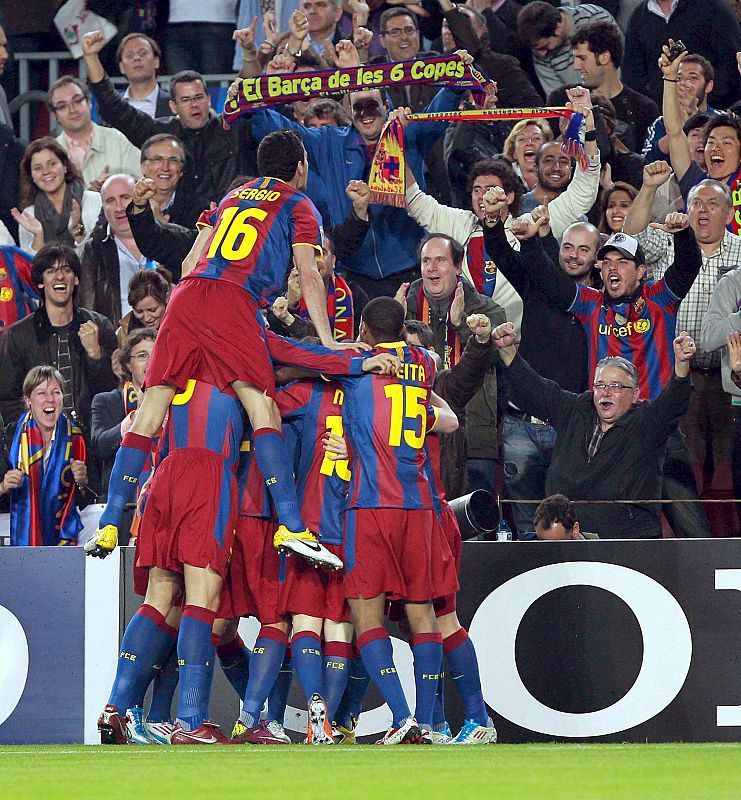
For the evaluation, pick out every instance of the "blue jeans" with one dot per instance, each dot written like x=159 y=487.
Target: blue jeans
x=527 y=450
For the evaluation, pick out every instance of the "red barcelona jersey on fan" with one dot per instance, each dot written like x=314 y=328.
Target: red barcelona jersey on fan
x=205 y=418
x=309 y=409
x=255 y=229
x=385 y=422
x=641 y=332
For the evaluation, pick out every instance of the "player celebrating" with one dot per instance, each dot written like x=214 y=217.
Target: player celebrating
x=212 y=330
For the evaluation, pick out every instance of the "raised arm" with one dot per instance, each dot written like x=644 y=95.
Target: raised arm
x=679 y=148
x=639 y=214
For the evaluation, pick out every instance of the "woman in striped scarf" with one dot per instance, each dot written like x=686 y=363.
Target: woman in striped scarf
x=47 y=459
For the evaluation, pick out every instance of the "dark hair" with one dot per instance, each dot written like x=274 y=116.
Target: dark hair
x=618 y=186
x=601 y=37
x=156 y=139
x=129 y=36
x=185 y=76
x=63 y=81
x=554 y=509
x=28 y=189
x=456 y=249
x=326 y=107
x=51 y=255
x=699 y=120
x=424 y=333
x=707 y=68
x=503 y=170
x=279 y=155
x=37 y=375
x=130 y=342
x=537 y=20
x=148 y=283
x=398 y=11
x=723 y=121
x=384 y=318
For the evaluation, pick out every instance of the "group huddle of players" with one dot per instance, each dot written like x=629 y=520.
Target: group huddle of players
x=319 y=514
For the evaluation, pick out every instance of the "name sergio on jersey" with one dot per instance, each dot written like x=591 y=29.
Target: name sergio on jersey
x=639 y=326
x=257 y=194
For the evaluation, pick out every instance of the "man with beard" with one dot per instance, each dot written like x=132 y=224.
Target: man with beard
x=553 y=168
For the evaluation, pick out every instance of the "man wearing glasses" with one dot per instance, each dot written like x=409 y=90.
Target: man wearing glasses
x=97 y=151
x=214 y=155
x=609 y=444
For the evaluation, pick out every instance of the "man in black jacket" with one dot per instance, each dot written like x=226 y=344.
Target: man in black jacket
x=76 y=341
x=215 y=156
x=609 y=445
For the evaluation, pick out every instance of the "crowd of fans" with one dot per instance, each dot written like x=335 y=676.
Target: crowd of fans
x=615 y=258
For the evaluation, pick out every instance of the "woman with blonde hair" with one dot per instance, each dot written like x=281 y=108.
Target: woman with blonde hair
x=521 y=146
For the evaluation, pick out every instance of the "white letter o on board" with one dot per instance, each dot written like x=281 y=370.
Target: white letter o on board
x=13 y=662
x=667 y=648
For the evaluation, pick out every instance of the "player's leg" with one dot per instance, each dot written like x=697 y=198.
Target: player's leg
x=351 y=705
x=276 y=467
x=463 y=667
x=306 y=646
x=158 y=724
x=377 y=653
x=427 y=647
x=130 y=459
x=265 y=663
x=196 y=652
x=337 y=659
x=145 y=644
x=233 y=656
x=275 y=714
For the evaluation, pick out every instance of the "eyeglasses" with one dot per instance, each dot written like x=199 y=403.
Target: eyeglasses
x=192 y=100
x=613 y=387
x=142 y=355
x=173 y=161
x=75 y=102
x=394 y=33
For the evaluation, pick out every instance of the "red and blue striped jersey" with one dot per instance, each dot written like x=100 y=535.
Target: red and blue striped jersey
x=309 y=409
x=255 y=228
x=385 y=422
x=203 y=417
x=641 y=331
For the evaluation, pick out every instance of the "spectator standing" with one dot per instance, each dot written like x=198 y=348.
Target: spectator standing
x=707 y=27
x=95 y=150
x=163 y=161
x=553 y=172
x=56 y=207
x=138 y=58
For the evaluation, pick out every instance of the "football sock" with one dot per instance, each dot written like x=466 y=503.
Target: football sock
x=267 y=656
x=358 y=682
x=195 y=660
x=278 y=697
x=234 y=658
x=337 y=660
x=145 y=642
x=438 y=713
x=378 y=657
x=206 y=696
x=427 y=649
x=276 y=467
x=130 y=460
x=306 y=647
x=463 y=667
x=163 y=688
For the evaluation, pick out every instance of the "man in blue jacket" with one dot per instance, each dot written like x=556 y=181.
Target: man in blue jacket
x=388 y=256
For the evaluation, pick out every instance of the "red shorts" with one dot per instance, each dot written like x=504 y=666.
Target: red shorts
x=311 y=591
x=449 y=524
x=391 y=551
x=236 y=599
x=190 y=514
x=263 y=568
x=211 y=332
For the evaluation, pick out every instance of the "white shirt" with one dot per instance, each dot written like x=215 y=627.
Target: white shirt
x=147 y=104
x=128 y=264
x=655 y=8
x=198 y=11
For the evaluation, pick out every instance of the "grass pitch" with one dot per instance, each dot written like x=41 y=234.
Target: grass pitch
x=515 y=772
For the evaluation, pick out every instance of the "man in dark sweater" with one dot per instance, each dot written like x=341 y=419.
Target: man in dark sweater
x=609 y=445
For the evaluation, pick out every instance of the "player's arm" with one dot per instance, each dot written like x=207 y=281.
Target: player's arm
x=312 y=290
x=446 y=420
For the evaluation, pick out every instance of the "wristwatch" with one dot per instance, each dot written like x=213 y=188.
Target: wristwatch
x=78 y=230
x=293 y=53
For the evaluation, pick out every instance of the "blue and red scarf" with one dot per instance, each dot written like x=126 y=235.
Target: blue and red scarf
x=339 y=310
x=42 y=508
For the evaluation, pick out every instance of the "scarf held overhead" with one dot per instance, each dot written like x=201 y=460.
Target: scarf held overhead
x=271 y=90
x=42 y=508
x=387 y=182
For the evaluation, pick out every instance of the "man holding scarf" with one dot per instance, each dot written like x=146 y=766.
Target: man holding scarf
x=47 y=459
